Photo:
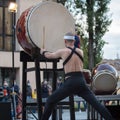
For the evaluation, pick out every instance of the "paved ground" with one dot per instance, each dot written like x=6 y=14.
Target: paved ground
x=79 y=115
x=66 y=115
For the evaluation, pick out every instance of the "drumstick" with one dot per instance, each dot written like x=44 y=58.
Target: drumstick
x=43 y=37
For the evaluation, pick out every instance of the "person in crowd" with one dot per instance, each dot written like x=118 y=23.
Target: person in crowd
x=17 y=95
x=34 y=94
x=59 y=82
x=74 y=79
x=46 y=89
x=16 y=90
x=29 y=91
x=6 y=91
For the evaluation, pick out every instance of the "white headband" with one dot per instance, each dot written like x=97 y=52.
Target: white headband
x=66 y=37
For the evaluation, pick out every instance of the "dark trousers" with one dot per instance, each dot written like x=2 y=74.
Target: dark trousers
x=74 y=84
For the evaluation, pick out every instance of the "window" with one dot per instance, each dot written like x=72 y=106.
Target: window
x=5 y=75
x=6 y=26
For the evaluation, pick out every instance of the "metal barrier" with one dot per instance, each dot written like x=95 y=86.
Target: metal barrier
x=106 y=100
x=92 y=114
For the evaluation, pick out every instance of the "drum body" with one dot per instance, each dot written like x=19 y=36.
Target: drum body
x=44 y=26
x=105 y=78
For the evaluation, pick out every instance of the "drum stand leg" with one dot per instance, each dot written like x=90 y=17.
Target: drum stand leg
x=54 y=114
x=26 y=58
x=36 y=56
x=24 y=81
x=72 y=109
x=38 y=87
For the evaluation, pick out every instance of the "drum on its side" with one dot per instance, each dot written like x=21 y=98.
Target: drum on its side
x=44 y=26
x=105 y=78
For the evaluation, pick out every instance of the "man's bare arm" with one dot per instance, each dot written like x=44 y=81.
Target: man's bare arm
x=52 y=55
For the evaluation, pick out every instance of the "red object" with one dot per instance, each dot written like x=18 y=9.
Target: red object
x=5 y=92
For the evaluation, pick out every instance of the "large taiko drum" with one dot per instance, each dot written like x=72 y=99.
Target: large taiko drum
x=105 y=78
x=44 y=26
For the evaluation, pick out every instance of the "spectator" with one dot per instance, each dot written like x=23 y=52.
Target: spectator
x=6 y=91
x=17 y=94
x=59 y=82
x=46 y=89
x=34 y=94
x=29 y=91
x=16 y=90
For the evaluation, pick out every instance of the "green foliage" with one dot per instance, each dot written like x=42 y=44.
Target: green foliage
x=84 y=47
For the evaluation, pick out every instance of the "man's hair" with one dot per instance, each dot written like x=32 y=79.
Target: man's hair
x=77 y=41
x=69 y=34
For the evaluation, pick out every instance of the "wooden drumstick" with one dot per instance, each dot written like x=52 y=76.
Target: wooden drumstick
x=43 y=37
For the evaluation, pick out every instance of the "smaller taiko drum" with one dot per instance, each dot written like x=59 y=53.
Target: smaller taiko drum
x=105 y=78
x=43 y=26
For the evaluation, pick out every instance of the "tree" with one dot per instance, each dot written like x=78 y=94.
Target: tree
x=90 y=22
x=102 y=22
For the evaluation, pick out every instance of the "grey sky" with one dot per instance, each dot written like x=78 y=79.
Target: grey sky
x=112 y=49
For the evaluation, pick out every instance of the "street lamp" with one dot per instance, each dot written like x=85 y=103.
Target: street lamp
x=12 y=8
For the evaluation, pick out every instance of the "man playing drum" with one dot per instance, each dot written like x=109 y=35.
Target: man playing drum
x=74 y=80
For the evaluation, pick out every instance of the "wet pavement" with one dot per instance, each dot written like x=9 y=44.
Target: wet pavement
x=66 y=115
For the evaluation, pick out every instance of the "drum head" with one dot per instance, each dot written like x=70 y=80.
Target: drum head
x=104 y=81
x=46 y=25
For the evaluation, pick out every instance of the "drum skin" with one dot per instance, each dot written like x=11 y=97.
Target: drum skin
x=105 y=78
x=44 y=26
